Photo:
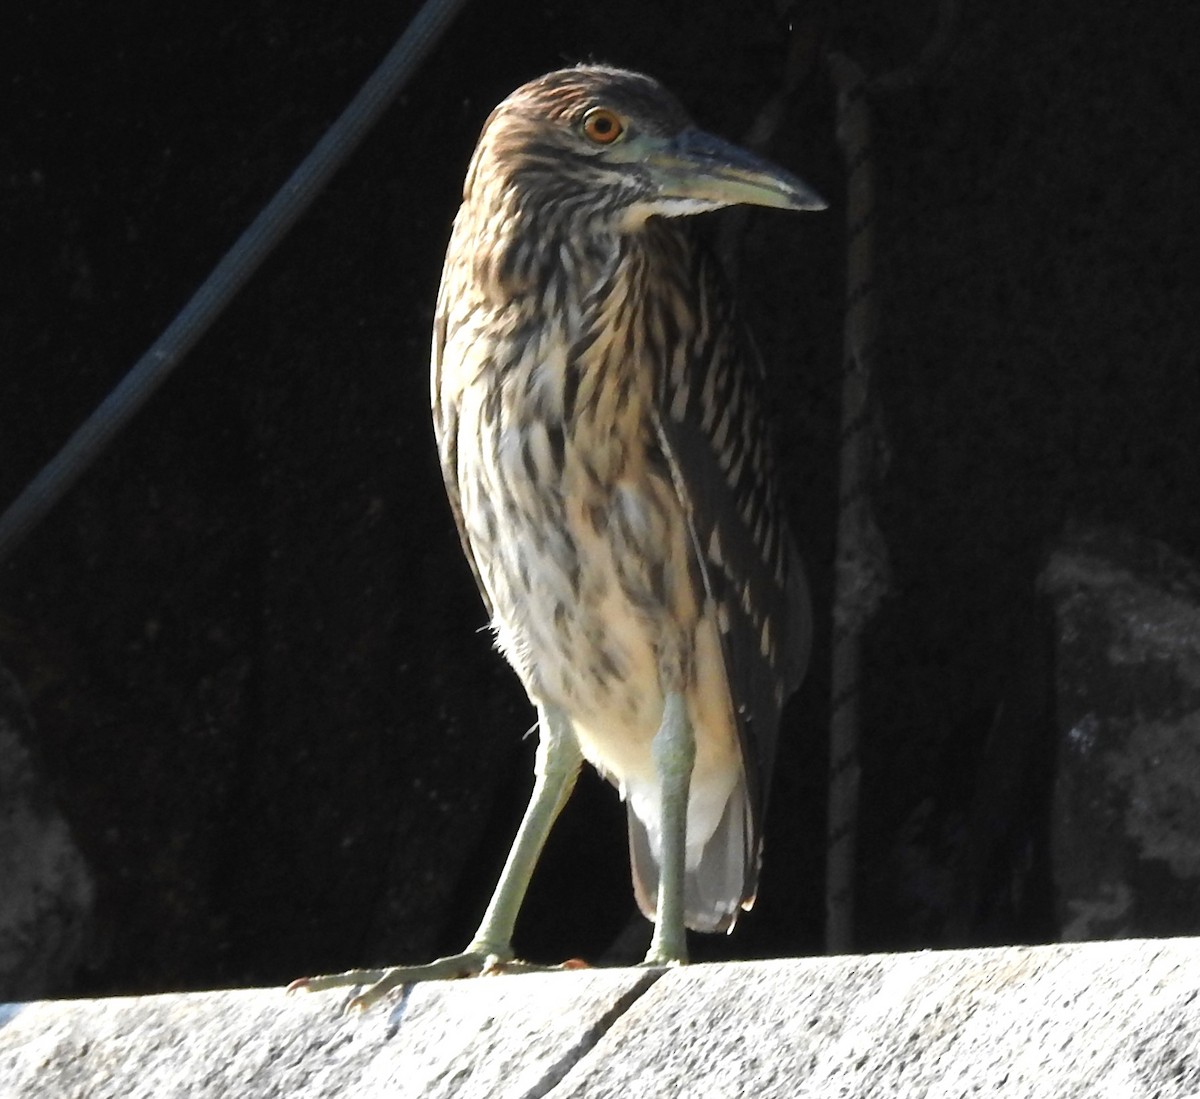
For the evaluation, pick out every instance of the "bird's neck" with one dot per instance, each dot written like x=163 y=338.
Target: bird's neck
x=598 y=298
x=592 y=311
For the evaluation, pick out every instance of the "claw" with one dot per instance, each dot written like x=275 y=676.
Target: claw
x=379 y=982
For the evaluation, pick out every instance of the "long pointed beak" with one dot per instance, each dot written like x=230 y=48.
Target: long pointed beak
x=698 y=168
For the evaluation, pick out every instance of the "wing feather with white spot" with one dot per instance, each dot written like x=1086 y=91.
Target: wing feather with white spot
x=716 y=437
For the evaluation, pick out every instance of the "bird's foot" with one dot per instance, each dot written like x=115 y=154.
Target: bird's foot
x=666 y=950
x=472 y=962
x=660 y=960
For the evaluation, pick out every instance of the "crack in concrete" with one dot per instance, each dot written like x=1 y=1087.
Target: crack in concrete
x=586 y=1042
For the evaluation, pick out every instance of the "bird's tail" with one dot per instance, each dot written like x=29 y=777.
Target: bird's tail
x=720 y=885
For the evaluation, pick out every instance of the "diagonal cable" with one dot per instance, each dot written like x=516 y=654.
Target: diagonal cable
x=229 y=276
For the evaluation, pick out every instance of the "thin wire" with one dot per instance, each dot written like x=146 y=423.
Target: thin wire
x=229 y=276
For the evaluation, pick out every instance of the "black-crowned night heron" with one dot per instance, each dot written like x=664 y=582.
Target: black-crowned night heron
x=599 y=416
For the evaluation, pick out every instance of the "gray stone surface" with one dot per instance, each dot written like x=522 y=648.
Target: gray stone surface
x=1118 y=1020
x=507 y=1036
x=46 y=890
x=1125 y=825
x=1102 y=1019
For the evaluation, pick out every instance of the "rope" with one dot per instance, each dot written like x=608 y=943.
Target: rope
x=861 y=564
x=229 y=276
x=861 y=570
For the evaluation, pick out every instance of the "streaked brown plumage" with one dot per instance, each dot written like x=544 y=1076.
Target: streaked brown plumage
x=599 y=416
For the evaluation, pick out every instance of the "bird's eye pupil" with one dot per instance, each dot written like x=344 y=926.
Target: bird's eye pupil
x=601 y=126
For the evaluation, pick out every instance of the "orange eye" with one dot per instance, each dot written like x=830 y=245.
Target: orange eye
x=602 y=126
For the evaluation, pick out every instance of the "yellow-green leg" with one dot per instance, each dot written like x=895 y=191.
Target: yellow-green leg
x=556 y=768
x=674 y=751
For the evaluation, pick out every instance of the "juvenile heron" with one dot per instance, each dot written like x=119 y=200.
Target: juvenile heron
x=599 y=416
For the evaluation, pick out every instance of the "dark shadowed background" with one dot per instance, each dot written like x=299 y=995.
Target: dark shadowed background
x=250 y=646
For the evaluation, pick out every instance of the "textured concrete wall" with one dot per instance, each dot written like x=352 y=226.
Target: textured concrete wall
x=1118 y=1020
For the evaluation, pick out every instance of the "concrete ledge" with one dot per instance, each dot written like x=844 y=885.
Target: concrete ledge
x=1119 y=1019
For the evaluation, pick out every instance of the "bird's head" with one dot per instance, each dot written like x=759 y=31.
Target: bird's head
x=614 y=147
